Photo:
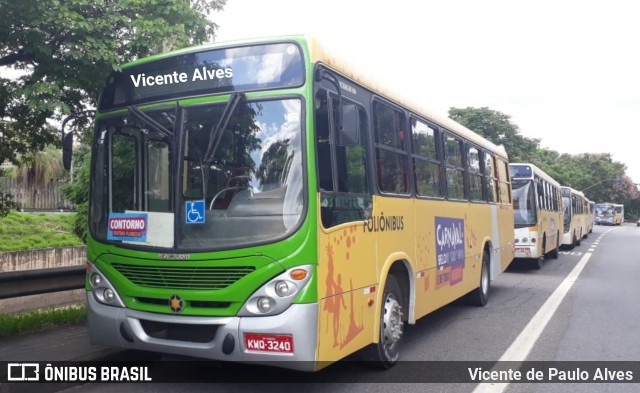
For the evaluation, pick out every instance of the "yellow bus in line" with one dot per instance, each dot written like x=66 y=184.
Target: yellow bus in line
x=575 y=216
x=537 y=212
x=262 y=201
x=609 y=214
x=619 y=214
x=591 y=218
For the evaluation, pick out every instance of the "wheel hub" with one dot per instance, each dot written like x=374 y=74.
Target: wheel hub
x=392 y=323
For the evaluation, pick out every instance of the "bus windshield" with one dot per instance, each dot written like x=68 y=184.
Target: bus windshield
x=605 y=210
x=524 y=203
x=197 y=185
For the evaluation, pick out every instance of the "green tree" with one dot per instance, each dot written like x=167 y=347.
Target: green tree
x=498 y=128
x=40 y=167
x=602 y=178
x=64 y=50
x=77 y=191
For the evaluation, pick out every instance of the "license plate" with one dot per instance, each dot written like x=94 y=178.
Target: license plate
x=278 y=343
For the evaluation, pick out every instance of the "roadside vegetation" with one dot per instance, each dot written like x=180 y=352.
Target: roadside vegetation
x=26 y=231
x=15 y=324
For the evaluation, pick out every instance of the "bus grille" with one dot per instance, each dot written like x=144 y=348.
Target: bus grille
x=183 y=277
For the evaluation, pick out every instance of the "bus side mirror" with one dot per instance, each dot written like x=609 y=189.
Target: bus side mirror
x=348 y=133
x=67 y=139
x=67 y=150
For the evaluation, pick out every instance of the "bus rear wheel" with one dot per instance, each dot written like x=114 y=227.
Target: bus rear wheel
x=386 y=352
x=574 y=243
x=480 y=295
x=537 y=262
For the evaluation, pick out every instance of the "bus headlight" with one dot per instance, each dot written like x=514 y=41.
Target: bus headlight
x=277 y=295
x=95 y=279
x=282 y=288
x=108 y=295
x=264 y=304
x=102 y=290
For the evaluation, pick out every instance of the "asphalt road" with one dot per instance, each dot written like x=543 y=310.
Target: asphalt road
x=581 y=307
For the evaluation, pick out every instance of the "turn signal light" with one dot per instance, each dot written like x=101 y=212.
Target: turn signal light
x=298 y=274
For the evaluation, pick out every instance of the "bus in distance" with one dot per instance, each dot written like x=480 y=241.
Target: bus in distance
x=262 y=201
x=537 y=212
x=619 y=215
x=575 y=207
x=609 y=214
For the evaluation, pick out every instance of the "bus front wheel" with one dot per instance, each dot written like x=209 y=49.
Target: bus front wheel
x=386 y=352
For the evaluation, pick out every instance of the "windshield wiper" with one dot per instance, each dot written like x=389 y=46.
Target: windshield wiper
x=150 y=121
x=215 y=135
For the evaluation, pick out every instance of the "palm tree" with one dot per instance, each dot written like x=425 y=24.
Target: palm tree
x=40 y=167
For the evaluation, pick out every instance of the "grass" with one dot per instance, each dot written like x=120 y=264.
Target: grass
x=14 y=324
x=26 y=231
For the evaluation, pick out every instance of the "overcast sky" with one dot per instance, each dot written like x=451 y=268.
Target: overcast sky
x=567 y=72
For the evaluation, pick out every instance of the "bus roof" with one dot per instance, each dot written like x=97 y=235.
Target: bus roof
x=574 y=191
x=319 y=53
x=536 y=170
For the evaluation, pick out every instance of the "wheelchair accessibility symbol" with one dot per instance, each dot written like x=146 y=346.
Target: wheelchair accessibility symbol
x=194 y=212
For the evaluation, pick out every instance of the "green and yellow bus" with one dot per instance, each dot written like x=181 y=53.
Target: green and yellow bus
x=261 y=201
x=537 y=213
x=576 y=207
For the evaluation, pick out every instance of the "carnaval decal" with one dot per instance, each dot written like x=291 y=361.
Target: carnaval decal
x=450 y=250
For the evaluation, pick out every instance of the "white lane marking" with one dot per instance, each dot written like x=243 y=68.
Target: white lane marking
x=523 y=344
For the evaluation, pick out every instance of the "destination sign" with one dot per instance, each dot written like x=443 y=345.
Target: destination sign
x=212 y=71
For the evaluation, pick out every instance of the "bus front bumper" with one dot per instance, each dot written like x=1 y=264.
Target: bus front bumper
x=139 y=330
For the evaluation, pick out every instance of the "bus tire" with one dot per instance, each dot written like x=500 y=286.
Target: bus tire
x=537 y=263
x=480 y=295
x=386 y=352
x=578 y=240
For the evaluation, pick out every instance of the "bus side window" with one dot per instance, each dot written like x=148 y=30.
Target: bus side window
x=504 y=190
x=475 y=174
x=323 y=143
x=352 y=173
x=343 y=172
x=426 y=160
x=391 y=156
x=491 y=178
x=454 y=167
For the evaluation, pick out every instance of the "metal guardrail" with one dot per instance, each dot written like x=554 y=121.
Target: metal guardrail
x=34 y=282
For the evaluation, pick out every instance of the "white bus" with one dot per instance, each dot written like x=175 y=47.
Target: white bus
x=537 y=213
x=575 y=216
x=609 y=214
